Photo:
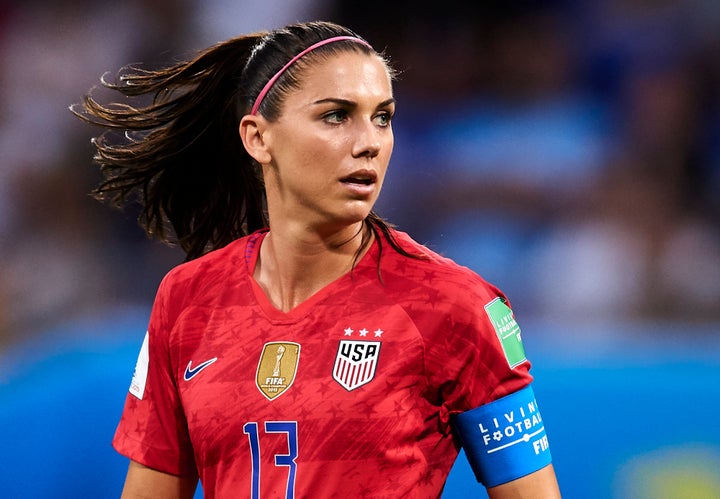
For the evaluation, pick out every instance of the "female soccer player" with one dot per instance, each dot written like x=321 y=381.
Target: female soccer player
x=306 y=348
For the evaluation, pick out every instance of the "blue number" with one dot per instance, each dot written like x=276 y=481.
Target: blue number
x=251 y=430
x=287 y=427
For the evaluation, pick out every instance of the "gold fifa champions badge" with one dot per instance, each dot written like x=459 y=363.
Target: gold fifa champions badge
x=277 y=367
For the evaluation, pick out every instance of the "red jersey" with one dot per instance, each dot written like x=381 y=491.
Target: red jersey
x=350 y=394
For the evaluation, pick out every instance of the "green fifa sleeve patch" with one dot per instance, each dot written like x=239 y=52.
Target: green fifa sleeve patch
x=507 y=330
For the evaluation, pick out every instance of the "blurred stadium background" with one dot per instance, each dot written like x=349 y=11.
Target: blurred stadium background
x=568 y=151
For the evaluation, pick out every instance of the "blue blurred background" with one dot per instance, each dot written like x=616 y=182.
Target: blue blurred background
x=568 y=151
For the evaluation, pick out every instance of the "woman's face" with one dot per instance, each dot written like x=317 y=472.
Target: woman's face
x=331 y=146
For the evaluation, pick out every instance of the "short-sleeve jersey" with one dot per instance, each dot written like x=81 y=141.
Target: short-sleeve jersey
x=350 y=394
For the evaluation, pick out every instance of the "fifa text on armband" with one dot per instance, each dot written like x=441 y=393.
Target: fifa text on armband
x=541 y=444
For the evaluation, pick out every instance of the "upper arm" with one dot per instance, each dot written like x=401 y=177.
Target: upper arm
x=146 y=483
x=541 y=484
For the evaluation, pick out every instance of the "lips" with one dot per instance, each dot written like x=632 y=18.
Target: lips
x=361 y=177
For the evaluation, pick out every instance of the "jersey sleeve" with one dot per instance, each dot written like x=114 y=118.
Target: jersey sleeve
x=479 y=356
x=481 y=376
x=153 y=430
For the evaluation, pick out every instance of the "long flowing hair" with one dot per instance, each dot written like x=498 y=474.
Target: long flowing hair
x=171 y=144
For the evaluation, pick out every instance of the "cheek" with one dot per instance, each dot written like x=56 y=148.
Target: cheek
x=301 y=156
x=387 y=153
x=391 y=145
x=322 y=153
x=312 y=164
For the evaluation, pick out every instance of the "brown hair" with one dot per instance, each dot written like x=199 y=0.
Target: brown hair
x=180 y=156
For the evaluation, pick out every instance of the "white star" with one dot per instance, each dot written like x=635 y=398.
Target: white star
x=348 y=332
x=378 y=333
x=363 y=332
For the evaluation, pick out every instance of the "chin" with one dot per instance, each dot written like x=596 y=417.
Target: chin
x=351 y=217
x=358 y=214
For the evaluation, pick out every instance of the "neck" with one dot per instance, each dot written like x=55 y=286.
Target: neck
x=296 y=263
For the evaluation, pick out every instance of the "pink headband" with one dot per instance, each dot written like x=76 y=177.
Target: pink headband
x=292 y=61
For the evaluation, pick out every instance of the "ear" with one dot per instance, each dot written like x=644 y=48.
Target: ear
x=252 y=128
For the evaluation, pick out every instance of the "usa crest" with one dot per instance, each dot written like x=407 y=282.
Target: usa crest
x=355 y=363
x=276 y=368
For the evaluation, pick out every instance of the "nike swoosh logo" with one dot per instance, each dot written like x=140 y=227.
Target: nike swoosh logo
x=190 y=373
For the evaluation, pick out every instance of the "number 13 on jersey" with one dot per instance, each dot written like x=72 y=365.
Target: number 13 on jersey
x=290 y=429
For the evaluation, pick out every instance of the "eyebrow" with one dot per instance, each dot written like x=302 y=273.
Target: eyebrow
x=349 y=103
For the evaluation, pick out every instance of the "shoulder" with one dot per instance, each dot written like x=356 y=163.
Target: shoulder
x=434 y=291
x=213 y=261
x=460 y=319
x=220 y=265
x=433 y=272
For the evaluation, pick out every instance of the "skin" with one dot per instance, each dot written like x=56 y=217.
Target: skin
x=142 y=482
x=319 y=191
x=539 y=485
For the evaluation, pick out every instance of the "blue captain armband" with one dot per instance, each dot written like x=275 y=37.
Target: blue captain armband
x=505 y=439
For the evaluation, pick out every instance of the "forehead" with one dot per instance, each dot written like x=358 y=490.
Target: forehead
x=343 y=74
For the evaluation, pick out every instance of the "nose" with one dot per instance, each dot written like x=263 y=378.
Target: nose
x=367 y=141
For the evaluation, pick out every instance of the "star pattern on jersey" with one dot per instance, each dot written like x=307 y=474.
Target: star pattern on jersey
x=428 y=476
x=363 y=333
x=324 y=387
x=335 y=411
x=393 y=483
x=295 y=394
x=305 y=412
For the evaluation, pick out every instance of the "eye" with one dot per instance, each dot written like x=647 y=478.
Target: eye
x=335 y=116
x=384 y=118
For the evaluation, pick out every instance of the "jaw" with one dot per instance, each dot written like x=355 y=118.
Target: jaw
x=327 y=206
